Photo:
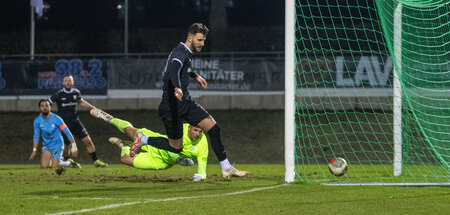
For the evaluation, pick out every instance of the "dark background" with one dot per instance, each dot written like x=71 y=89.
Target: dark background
x=96 y=26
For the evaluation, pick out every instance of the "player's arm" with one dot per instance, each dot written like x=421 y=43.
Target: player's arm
x=37 y=133
x=202 y=159
x=199 y=79
x=53 y=98
x=86 y=104
x=73 y=150
x=83 y=102
x=174 y=69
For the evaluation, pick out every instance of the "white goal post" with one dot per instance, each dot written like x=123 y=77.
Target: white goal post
x=289 y=96
x=397 y=88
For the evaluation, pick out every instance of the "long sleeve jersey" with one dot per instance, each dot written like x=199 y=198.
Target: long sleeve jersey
x=50 y=130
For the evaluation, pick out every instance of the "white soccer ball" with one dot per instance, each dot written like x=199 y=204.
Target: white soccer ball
x=338 y=166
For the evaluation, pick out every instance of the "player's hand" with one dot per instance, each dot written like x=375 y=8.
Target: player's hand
x=33 y=154
x=202 y=82
x=73 y=151
x=178 y=93
x=197 y=177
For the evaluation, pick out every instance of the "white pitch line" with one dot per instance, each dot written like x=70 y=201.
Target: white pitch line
x=165 y=200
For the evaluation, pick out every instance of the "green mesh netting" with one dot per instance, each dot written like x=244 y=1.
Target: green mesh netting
x=346 y=52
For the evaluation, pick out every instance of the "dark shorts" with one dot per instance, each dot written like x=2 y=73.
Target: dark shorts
x=173 y=114
x=77 y=129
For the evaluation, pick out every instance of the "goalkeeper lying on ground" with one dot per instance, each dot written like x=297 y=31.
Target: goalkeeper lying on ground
x=195 y=144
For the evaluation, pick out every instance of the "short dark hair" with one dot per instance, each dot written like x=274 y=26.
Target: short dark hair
x=44 y=100
x=198 y=28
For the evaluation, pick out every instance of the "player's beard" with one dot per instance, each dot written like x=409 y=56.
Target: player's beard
x=45 y=113
x=67 y=89
x=193 y=48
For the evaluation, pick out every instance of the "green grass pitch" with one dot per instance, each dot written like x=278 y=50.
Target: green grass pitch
x=118 y=189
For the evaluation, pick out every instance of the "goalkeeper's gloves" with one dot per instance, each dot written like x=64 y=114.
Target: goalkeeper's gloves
x=185 y=161
x=198 y=177
x=73 y=149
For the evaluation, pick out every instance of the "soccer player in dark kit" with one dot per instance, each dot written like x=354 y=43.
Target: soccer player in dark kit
x=68 y=99
x=177 y=104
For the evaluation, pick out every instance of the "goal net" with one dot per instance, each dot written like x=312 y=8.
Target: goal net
x=372 y=85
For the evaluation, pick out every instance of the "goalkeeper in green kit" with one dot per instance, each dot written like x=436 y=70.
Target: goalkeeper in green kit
x=195 y=144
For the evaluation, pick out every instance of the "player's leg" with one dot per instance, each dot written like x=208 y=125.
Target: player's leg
x=45 y=158
x=78 y=130
x=66 y=147
x=120 y=124
x=168 y=144
x=125 y=157
x=57 y=163
x=123 y=126
x=131 y=132
x=59 y=168
x=90 y=148
x=98 y=113
x=151 y=157
x=176 y=143
x=174 y=131
x=197 y=115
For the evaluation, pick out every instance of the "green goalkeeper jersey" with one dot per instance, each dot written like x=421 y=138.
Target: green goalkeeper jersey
x=197 y=149
x=191 y=149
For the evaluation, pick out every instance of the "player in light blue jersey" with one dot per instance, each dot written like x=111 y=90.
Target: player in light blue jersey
x=49 y=126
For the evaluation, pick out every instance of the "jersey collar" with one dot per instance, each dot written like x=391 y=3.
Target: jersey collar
x=186 y=47
x=67 y=91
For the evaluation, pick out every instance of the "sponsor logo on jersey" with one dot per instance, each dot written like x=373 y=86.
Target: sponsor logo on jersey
x=68 y=104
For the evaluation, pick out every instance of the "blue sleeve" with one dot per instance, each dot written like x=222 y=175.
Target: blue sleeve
x=174 y=69
x=37 y=131
x=63 y=127
x=67 y=133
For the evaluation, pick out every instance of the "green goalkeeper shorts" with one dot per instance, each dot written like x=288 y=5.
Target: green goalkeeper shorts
x=145 y=160
x=151 y=157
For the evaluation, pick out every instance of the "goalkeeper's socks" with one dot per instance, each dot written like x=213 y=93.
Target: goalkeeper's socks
x=216 y=142
x=225 y=164
x=160 y=143
x=125 y=151
x=65 y=163
x=120 y=124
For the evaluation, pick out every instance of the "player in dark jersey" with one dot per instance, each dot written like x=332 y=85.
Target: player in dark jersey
x=67 y=99
x=177 y=104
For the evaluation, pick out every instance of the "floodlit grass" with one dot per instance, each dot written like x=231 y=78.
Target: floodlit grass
x=375 y=174
x=118 y=189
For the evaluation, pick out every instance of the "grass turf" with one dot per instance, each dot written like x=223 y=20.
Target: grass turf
x=118 y=189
